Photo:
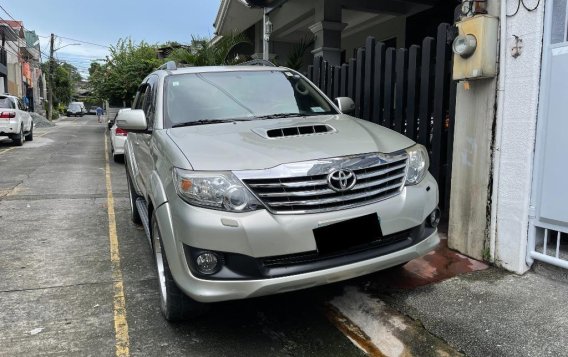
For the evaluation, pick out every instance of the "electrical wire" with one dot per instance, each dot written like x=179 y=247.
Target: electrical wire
x=89 y=43
x=517 y=10
x=529 y=9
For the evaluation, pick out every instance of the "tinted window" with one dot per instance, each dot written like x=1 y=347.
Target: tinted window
x=238 y=95
x=139 y=100
x=6 y=102
x=149 y=104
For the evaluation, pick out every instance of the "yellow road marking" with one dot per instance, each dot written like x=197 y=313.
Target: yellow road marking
x=12 y=148
x=122 y=344
x=6 y=150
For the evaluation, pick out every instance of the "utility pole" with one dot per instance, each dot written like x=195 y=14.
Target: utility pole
x=50 y=97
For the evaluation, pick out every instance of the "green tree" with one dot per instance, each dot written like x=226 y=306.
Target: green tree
x=65 y=77
x=118 y=78
x=202 y=53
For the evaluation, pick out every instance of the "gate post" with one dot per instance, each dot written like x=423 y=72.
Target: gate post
x=470 y=206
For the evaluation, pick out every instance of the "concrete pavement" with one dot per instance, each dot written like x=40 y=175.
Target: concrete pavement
x=56 y=290
x=58 y=296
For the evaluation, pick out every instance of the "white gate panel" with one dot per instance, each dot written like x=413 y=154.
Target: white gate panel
x=548 y=235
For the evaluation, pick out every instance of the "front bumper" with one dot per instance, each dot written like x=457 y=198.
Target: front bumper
x=260 y=234
x=118 y=145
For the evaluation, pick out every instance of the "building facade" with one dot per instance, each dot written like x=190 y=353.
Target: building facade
x=20 y=64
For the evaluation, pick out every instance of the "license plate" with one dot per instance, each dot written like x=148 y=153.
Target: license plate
x=348 y=234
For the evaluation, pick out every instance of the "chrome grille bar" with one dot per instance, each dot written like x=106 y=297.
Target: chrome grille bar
x=340 y=199
x=303 y=187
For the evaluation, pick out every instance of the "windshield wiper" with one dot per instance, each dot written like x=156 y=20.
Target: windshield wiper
x=280 y=115
x=206 y=121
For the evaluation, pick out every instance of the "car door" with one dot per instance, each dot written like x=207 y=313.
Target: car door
x=134 y=155
x=24 y=116
x=146 y=163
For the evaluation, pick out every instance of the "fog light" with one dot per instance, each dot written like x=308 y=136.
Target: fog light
x=207 y=263
x=434 y=218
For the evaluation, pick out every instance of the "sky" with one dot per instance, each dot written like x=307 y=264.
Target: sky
x=104 y=22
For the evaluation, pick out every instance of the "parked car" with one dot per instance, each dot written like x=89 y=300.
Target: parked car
x=249 y=181
x=15 y=122
x=112 y=120
x=93 y=111
x=117 y=140
x=75 y=110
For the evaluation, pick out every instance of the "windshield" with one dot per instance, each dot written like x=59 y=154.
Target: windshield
x=76 y=107
x=240 y=95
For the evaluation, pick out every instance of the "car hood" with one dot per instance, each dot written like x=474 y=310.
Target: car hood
x=242 y=145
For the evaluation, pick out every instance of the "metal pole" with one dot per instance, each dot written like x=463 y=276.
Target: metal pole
x=266 y=39
x=50 y=97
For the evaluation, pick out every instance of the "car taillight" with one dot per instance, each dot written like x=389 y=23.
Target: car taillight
x=121 y=132
x=7 y=115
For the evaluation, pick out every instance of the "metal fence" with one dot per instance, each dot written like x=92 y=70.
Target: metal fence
x=408 y=90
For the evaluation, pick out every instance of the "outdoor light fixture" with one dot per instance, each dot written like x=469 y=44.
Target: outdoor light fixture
x=268 y=29
x=465 y=45
x=258 y=3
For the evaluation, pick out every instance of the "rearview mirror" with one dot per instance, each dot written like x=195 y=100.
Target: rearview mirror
x=132 y=120
x=345 y=104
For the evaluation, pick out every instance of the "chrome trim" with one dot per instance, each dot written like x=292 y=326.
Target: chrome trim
x=334 y=200
x=328 y=191
x=311 y=174
x=382 y=172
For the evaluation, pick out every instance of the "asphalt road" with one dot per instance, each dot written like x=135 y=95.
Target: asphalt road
x=56 y=286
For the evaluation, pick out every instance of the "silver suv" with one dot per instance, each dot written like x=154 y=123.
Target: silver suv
x=249 y=181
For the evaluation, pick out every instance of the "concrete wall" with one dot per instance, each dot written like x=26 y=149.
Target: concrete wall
x=516 y=130
x=470 y=211
x=394 y=28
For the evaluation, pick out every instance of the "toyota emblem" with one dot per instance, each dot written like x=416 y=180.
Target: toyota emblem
x=341 y=180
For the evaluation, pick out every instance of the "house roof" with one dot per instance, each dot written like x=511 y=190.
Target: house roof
x=233 y=16
x=11 y=30
x=16 y=26
x=32 y=39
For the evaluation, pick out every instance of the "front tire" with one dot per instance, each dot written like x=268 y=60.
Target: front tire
x=133 y=196
x=174 y=304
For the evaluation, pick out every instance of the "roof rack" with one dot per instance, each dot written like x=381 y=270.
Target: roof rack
x=258 y=62
x=168 y=66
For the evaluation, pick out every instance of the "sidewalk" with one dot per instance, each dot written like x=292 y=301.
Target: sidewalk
x=469 y=307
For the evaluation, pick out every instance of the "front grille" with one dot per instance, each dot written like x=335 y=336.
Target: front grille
x=379 y=180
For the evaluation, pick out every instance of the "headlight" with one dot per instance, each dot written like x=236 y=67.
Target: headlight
x=217 y=190
x=418 y=164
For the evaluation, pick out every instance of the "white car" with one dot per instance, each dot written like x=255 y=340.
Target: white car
x=15 y=122
x=249 y=181
x=117 y=141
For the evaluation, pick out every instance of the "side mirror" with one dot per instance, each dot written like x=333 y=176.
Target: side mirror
x=132 y=120
x=345 y=104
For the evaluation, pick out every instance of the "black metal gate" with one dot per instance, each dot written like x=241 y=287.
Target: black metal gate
x=409 y=90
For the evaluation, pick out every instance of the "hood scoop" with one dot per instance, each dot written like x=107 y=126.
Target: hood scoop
x=294 y=131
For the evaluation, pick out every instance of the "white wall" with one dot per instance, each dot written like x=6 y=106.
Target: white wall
x=515 y=138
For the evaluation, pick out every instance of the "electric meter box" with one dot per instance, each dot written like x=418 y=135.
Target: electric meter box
x=483 y=62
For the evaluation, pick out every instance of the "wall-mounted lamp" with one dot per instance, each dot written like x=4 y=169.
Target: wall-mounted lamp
x=268 y=29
